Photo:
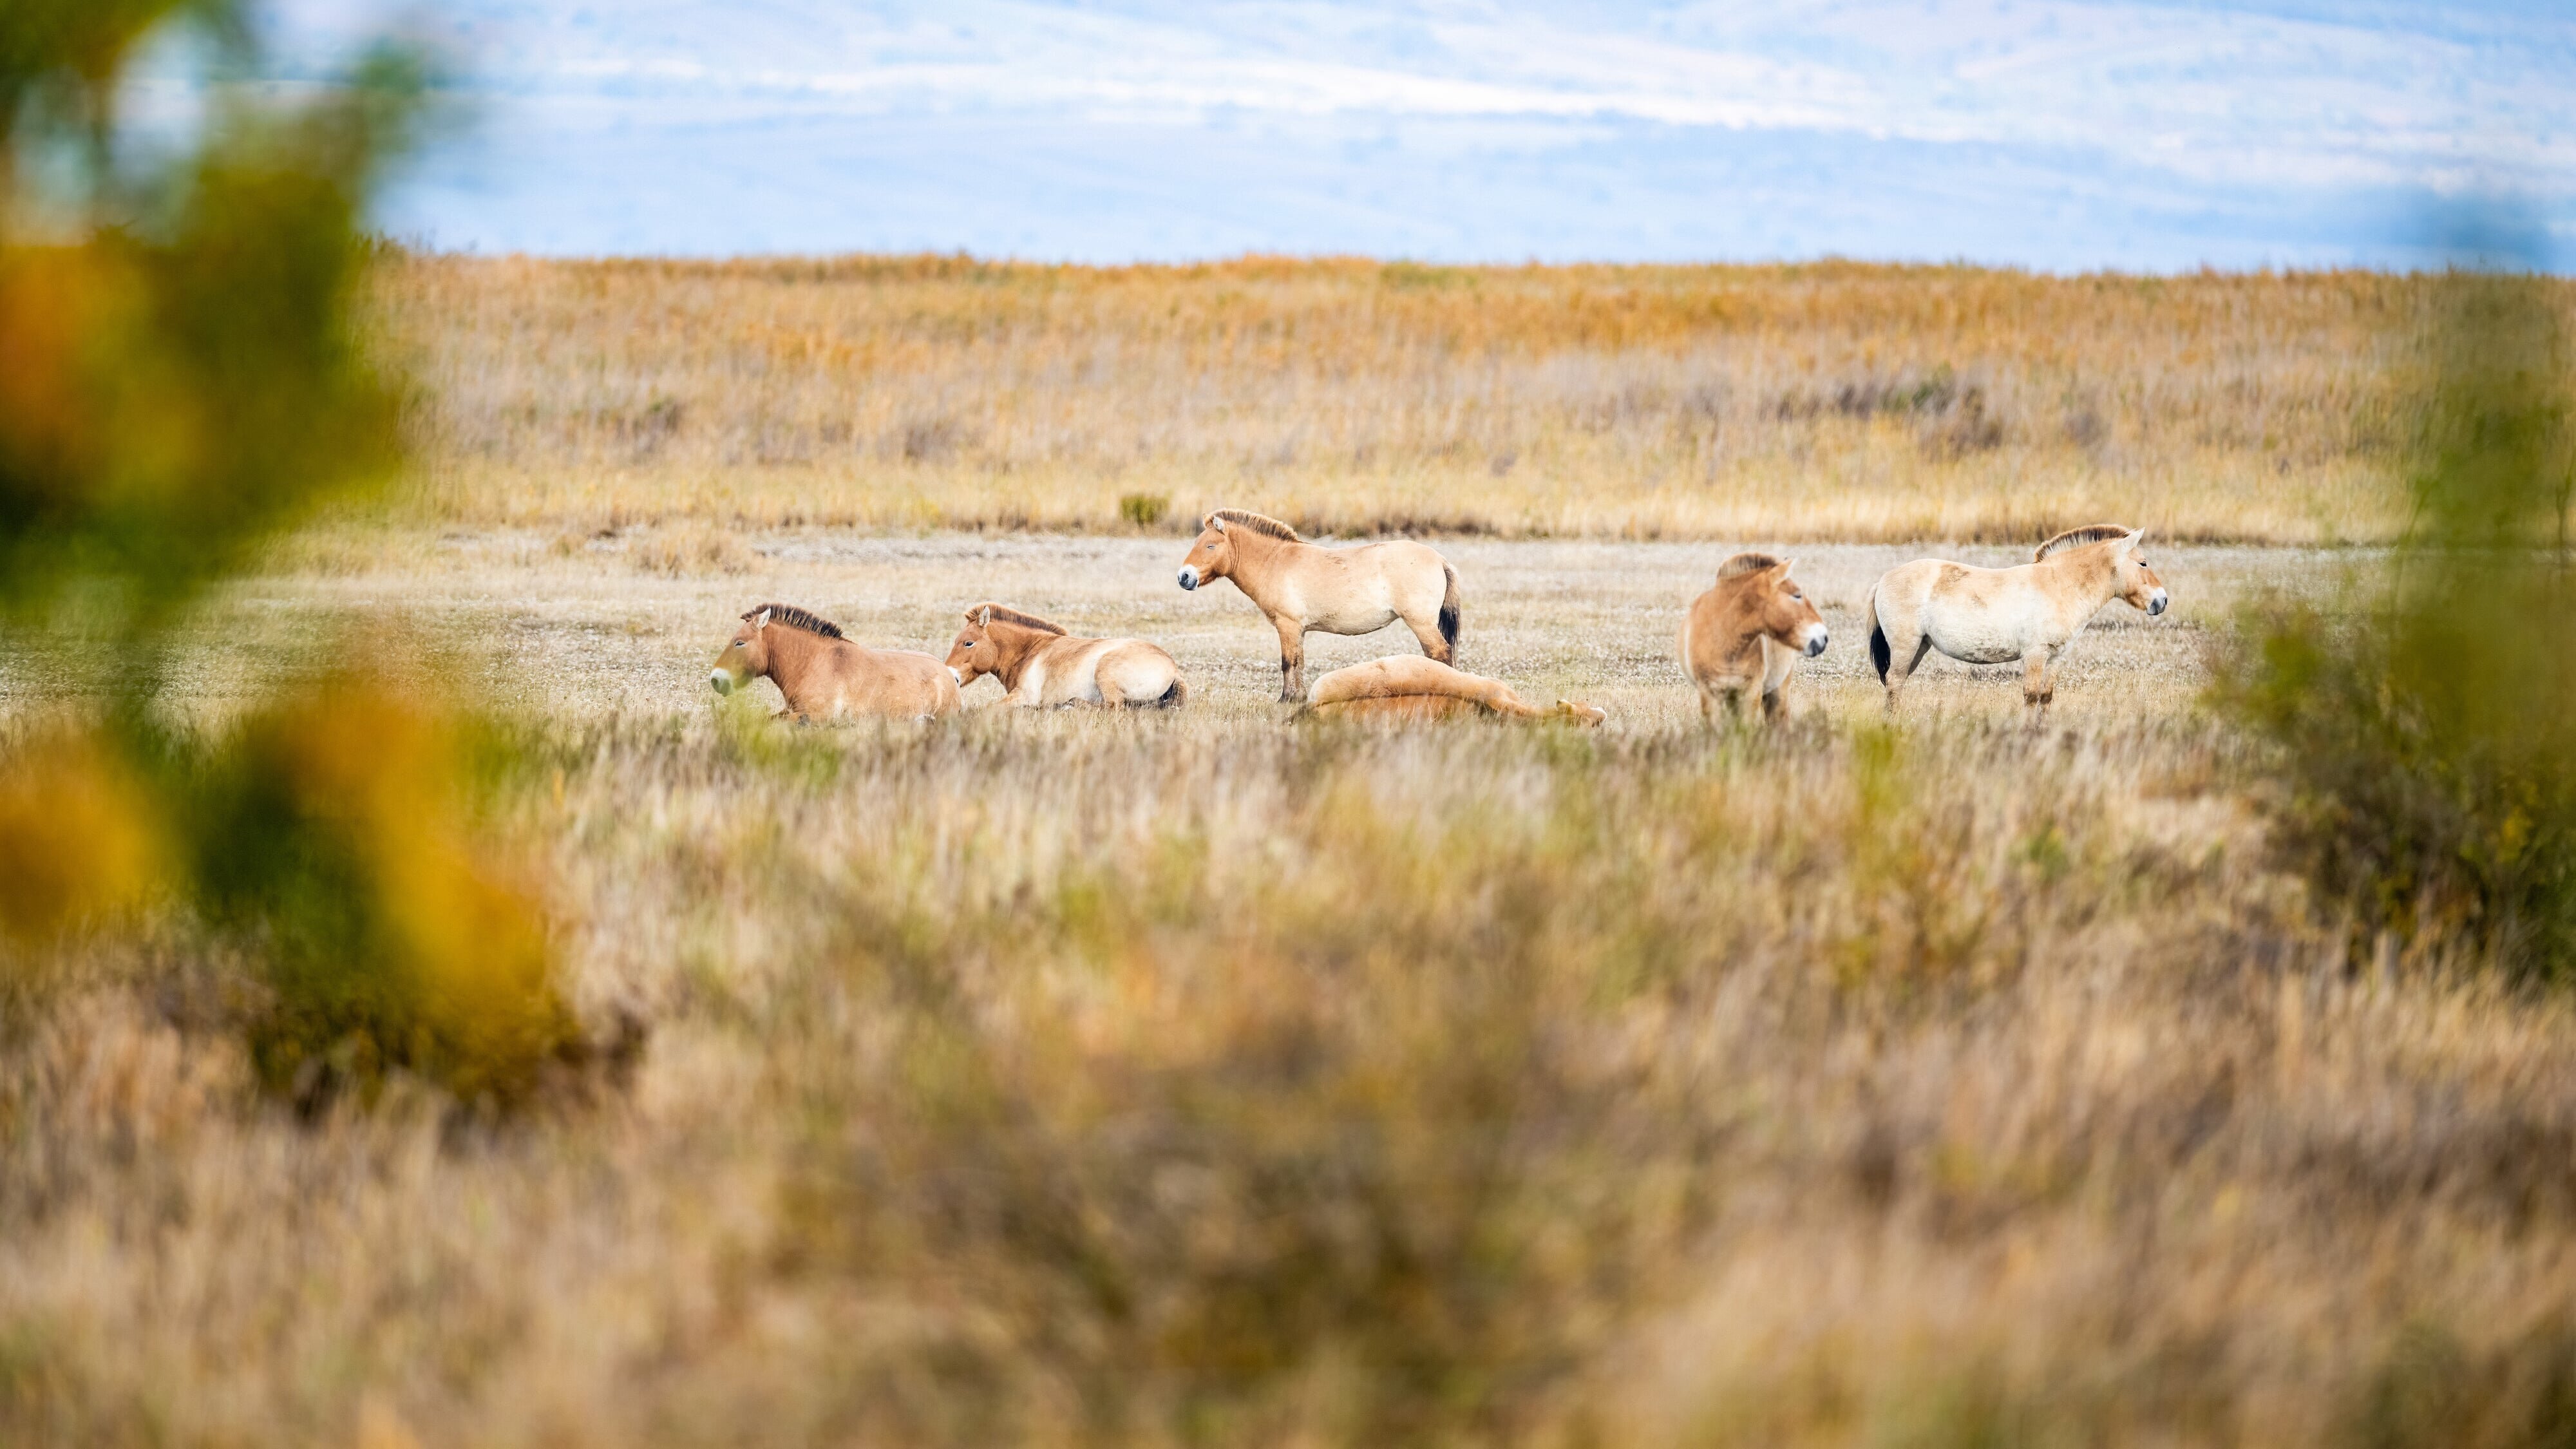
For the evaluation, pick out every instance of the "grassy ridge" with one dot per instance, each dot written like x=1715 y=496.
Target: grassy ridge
x=1827 y=401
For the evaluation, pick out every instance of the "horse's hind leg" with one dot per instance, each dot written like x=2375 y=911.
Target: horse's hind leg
x=1901 y=664
x=1434 y=647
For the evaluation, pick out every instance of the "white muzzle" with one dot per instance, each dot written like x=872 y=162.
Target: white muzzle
x=2156 y=602
x=1189 y=576
x=720 y=681
x=1816 y=640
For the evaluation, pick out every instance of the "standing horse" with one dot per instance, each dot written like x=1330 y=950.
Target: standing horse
x=1041 y=665
x=1995 y=616
x=1751 y=629
x=1338 y=590
x=1402 y=687
x=824 y=675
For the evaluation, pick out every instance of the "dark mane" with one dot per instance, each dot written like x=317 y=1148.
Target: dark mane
x=1009 y=615
x=1745 y=563
x=796 y=618
x=1259 y=523
x=2078 y=537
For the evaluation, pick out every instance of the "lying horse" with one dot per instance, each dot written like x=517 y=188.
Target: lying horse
x=1751 y=629
x=824 y=675
x=1401 y=687
x=1994 y=616
x=1040 y=665
x=1338 y=590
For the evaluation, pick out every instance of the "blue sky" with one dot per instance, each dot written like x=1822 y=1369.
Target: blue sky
x=2057 y=134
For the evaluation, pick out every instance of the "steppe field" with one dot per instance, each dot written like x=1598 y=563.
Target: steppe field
x=1218 y=1077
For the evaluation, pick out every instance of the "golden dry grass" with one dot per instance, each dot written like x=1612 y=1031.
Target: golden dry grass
x=1833 y=401
x=1201 y=1078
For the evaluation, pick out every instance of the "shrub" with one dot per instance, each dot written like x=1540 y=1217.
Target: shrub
x=1143 y=509
x=2423 y=735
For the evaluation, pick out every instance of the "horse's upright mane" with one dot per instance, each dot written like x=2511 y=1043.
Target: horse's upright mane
x=2078 y=537
x=1259 y=523
x=1745 y=563
x=1009 y=615
x=796 y=618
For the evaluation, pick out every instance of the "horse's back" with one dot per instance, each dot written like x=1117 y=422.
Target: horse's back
x=897 y=683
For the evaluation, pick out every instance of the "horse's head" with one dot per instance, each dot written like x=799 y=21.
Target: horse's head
x=972 y=654
x=1784 y=611
x=2138 y=584
x=1211 y=555
x=745 y=657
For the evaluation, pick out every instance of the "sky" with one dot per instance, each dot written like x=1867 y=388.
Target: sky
x=2063 y=135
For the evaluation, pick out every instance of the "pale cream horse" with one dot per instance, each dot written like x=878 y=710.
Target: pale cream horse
x=824 y=675
x=1042 y=666
x=1300 y=586
x=1748 y=632
x=1402 y=687
x=1994 y=616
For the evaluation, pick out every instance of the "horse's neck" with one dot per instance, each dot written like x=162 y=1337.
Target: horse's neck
x=2090 y=577
x=1261 y=554
x=1013 y=648
x=792 y=654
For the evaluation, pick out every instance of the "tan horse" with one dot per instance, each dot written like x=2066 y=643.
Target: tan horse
x=824 y=675
x=1994 y=616
x=1300 y=586
x=1402 y=687
x=1040 y=665
x=1750 y=630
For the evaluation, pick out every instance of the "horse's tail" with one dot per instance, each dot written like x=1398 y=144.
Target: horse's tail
x=1449 y=612
x=1176 y=696
x=1879 y=654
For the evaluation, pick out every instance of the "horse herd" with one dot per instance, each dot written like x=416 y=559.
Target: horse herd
x=1743 y=636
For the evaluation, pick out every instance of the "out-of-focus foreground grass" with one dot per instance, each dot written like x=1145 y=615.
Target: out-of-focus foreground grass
x=1833 y=401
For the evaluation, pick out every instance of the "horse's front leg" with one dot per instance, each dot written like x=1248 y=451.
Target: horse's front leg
x=1292 y=659
x=2036 y=687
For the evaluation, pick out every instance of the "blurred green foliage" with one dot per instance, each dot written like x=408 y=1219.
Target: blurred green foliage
x=2425 y=769
x=181 y=376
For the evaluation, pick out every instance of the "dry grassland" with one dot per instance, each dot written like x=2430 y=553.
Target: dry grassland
x=1201 y=1078
x=1834 y=401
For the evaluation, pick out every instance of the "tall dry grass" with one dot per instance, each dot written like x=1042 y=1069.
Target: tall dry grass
x=1828 y=401
x=1194 y=1080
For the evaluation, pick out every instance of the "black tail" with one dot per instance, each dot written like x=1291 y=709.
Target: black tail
x=1879 y=653
x=1449 y=613
x=1176 y=696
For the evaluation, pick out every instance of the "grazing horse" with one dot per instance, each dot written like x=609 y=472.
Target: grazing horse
x=1994 y=616
x=1402 y=687
x=1751 y=629
x=1338 y=590
x=1041 y=665
x=826 y=676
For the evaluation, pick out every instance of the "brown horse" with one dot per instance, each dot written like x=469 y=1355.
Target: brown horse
x=1750 y=630
x=1994 y=616
x=1041 y=665
x=1300 y=586
x=1402 y=687
x=824 y=675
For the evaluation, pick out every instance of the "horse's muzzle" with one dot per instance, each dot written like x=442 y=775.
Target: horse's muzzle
x=1189 y=576
x=1817 y=638
x=721 y=681
x=2156 y=603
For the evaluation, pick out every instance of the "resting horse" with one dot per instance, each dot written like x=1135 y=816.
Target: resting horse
x=1748 y=631
x=1402 y=687
x=1994 y=616
x=824 y=675
x=1300 y=586
x=1040 y=665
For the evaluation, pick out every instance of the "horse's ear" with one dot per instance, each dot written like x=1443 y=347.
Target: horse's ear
x=1215 y=522
x=762 y=622
x=1785 y=565
x=987 y=620
x=2136 y=537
